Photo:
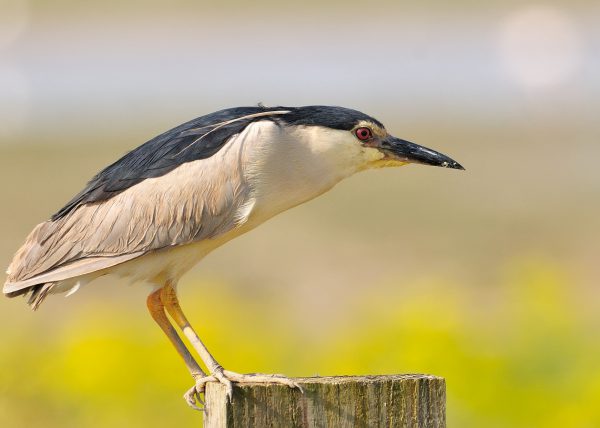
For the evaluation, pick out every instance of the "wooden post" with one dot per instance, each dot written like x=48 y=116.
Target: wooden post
x=338 y=401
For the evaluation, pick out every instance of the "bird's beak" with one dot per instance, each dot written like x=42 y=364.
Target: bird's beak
x=405 y=151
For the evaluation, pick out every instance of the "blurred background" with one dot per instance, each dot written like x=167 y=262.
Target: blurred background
x=488 y=278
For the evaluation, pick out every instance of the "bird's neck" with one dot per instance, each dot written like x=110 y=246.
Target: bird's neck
x=287 y=166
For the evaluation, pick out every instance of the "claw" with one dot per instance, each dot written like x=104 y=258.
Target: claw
x=193 y=395
x=221 y=377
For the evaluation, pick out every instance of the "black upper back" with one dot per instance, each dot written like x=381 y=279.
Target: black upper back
x=197 y=139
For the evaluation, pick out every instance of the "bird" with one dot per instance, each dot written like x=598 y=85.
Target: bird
x=157 y=211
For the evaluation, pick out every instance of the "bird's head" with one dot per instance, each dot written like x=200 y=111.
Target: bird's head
x=387 y=150
x=355 y=138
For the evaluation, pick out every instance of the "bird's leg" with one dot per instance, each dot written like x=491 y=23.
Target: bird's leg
x=169 y=297
x=157 y=311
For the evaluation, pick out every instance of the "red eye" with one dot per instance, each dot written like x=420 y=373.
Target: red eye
x=363 y=134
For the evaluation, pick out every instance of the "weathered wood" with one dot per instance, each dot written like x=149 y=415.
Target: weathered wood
x=338 y=401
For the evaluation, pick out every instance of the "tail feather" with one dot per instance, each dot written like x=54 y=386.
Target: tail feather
x=17 y=293
x=37 y=293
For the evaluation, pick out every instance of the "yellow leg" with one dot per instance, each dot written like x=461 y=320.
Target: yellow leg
x=169 y=297
x=157 y=311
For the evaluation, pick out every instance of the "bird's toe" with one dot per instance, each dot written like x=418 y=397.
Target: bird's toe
x=225 y=380
x=193 y=396
x=262 y=378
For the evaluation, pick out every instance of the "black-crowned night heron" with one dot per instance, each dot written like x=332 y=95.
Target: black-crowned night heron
x=162 y=207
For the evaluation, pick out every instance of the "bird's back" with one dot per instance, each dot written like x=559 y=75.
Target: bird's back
x=181 y=187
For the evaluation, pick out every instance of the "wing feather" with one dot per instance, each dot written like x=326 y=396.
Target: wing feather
x=198 y=200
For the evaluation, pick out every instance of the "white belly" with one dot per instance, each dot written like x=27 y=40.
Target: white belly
x=154 y=268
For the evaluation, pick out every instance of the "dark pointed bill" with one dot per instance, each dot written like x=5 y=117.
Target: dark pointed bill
x=410 y=152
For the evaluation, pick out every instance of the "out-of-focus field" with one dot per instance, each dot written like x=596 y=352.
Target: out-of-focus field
x=487 y=277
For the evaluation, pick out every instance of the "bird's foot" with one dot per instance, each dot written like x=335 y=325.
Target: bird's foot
x=193 y=396
x=258 y=378
x=226 y=377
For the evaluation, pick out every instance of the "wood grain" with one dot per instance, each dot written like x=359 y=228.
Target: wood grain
x=338 y=401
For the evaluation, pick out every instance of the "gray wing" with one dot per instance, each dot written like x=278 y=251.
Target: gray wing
x=197 y=200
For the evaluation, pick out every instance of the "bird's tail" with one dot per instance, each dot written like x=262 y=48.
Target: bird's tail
x=60 y=254
x=37 y=293
x=23 y=266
